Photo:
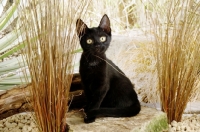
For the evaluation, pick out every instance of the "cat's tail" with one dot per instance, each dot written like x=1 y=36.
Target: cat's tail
x=116 y=112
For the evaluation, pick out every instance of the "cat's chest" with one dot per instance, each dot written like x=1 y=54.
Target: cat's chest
x=92 y=69
x=92 y=64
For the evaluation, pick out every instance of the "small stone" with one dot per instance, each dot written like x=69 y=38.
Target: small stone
x=178 y=128
x=16 y=130
x=13 y=118
x=183 y=128
x=174 y=123
x=194 y=121
x=7 y=124
x=16 y=120
x=25 y=128
x=35 y=130
x=191 y=125
x=173 y=129
x=4 y=120
x=11 y=125
x=188 y=129
x=32 y=124
x=29 y=128
x=20 y=125
x=6 y=129
x=1 y=125
x=24 y=121
x=28 y=122
x=179 y=123
x=27 y=117
x=23 y=116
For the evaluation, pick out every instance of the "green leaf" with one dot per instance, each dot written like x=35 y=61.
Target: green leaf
x=7 y=15
x=13 y=50
x=6 y=87
x=8 y=40
x=77 y=51
x=11 y=61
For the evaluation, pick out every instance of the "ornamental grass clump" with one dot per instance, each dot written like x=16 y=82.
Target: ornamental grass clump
x=49 y=27
x=177 y=47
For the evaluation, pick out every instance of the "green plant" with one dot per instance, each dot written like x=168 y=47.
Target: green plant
x=10 y=43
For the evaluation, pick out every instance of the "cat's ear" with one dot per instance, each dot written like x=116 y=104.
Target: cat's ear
x=81 y=27
x=105 y=24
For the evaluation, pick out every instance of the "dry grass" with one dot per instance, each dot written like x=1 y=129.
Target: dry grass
x=49 y=27
x=177 y=37
x=125 y=14
x=144 y=68
x=135 y=56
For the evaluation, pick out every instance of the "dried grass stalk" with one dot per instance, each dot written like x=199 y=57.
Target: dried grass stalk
x=177 y=39
x=49 y=27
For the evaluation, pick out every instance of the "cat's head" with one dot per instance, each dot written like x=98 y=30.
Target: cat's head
x=94 y=40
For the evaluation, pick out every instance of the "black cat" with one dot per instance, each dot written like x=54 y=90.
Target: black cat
x=108 y=91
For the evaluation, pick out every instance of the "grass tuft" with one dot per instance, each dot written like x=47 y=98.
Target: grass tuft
x=177 y=48
x=49 y=57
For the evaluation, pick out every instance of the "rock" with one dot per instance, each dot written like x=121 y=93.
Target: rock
x=178 y=128
x=32 y=124
x=183 y=127
x=10 y=125
x=35 y=130
x=25 y=128
x=29 y=128
x=15 y=130
x=4 y=120
x=148 y=120
x=173 y=129
x=6 y=129
x=28 y=122
x=7 y=124
x=24 y=121
x=20 y=125
x=13 y=124
x=174 y=123
x=16 y=120
x=1 y=125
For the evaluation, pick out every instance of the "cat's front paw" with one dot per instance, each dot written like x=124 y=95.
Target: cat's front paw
x=89 y=120
x=86 y=109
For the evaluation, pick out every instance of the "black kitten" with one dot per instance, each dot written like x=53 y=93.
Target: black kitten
x=108 y=91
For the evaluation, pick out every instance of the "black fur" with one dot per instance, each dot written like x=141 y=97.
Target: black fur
x=108 y=91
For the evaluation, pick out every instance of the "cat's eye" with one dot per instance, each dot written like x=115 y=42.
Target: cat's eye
x=102 y=38
x=89 y=41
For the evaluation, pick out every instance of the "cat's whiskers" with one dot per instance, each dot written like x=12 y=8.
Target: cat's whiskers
x=111 y=65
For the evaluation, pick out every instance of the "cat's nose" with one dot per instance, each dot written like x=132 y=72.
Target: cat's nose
x=97 y=46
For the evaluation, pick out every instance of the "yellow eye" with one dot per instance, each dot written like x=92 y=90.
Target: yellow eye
x=102 y=39
x=89 y=41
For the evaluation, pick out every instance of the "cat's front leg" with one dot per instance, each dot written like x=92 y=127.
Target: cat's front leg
x=97 y=97
x=94 y=103
x=89 y=119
